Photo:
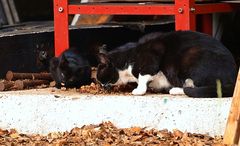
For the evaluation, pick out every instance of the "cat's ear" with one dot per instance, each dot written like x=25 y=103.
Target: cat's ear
x=103 y=58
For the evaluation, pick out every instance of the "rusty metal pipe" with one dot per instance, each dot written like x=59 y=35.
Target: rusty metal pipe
x=6 y=85
x=10 y=76
x=23 y=84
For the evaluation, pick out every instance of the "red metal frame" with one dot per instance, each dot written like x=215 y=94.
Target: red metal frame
x=61 y=32
x=121 y=9
x=185 y=12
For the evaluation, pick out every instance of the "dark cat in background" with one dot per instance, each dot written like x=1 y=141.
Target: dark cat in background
x=71 y=69
x=180 y=62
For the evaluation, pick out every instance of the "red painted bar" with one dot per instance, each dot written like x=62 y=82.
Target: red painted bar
x=214 y=8
x=185 y=17
x=120 y=9
x=206 y=22
x=61 y=33
x=185 y=12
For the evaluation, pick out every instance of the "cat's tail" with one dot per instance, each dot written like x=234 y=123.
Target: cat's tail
x=209 y=91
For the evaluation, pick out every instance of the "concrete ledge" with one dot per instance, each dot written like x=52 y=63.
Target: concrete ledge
x=44 y=111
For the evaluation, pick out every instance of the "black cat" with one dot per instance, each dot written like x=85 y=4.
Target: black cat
x=71 y=69
x=179 y=62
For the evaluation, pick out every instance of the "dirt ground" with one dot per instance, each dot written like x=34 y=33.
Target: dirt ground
x=106 y=134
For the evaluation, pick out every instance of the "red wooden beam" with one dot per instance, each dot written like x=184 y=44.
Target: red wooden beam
x=123 y=9
x=185 y=12
x=61 y=33
x=206 y=23
x=214 y=8
x=185 y=17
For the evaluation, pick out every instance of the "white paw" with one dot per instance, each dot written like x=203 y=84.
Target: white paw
x=189 y=83
x=138 y=92
x=176 y=91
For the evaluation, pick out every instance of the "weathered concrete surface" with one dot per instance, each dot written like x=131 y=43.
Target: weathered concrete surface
x=43 y=111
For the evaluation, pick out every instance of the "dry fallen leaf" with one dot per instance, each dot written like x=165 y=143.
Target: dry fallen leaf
x=135 y=130
x=106 y=134
x=3 y=132
x=14 y=135
x=177 y=133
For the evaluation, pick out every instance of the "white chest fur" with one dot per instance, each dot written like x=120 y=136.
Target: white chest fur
x=159 y=81
x=125 y=76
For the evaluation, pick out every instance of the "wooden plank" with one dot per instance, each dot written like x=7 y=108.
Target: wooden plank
x=239 y=142
x=232 y=131
x=7 y=11
x=3 y=19
x=14 y=11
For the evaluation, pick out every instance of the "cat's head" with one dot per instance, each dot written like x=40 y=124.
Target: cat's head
x=107 y=73
x=69 y=73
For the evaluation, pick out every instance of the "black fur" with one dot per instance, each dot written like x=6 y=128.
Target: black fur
x=70 y=69
x=179 y=55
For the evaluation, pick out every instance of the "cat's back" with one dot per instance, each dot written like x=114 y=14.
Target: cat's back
x=122 y=56
x=189 y=43
x=190 y=39
x=75 y=56
x=200 y=56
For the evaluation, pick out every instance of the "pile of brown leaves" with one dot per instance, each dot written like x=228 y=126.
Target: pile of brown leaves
x=96 y=88
x=106 y=134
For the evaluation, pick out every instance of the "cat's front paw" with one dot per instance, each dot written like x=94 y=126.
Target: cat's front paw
x=176 y=91
x=138 y=92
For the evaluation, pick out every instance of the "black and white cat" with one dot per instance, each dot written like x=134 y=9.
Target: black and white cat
x=70 y=69
x=180 y=62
